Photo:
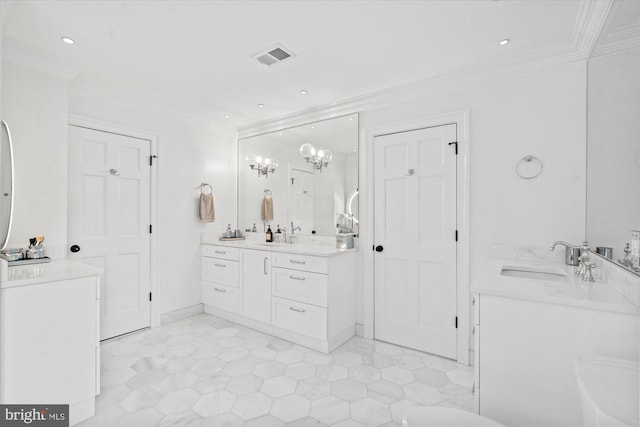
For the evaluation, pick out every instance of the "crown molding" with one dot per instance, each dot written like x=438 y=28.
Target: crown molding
x=487 y=73
x=588 y=25
x=590 y=20
x=620 y=40
x=81 y=89
x=26 y=56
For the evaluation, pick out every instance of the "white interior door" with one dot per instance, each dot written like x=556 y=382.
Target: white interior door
x=109 y=217
x=301 y=190
x=415 y=226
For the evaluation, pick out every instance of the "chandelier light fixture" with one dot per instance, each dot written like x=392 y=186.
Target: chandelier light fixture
x=319 y=159
x=263 y=166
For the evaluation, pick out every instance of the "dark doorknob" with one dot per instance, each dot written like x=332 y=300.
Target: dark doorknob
x=379 y=248
x=74 y=248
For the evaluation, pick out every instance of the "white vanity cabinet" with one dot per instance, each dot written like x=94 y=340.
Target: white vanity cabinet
x=525 y=352
x=220 y=277
x=50 y=332
x=255 y=284
x=307 y=297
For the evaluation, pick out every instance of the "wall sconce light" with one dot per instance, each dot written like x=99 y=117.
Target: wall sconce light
x=318 y=159
x=264 y=166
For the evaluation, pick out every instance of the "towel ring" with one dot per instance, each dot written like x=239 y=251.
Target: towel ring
x=203 y=186
x=267 y=192
x=529 y=167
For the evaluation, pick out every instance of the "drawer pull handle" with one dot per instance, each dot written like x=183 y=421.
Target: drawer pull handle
x=220 y=265
x=295 y=261
x=220 y=290
x=220 y=252
x=297 y=278
x=298 y=310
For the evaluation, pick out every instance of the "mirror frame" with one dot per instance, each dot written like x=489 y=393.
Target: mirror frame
x=6 y=188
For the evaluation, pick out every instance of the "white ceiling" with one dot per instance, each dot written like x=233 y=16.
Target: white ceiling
x=194 y=57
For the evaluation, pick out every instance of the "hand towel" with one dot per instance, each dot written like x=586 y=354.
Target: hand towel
x=267 y=209
x=207 y=212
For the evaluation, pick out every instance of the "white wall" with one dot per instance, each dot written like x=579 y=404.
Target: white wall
x=541 y=114
x=35 y=107
x=187 y=156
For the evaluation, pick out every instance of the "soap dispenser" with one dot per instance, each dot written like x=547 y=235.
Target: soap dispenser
x=269 y=235
x=228 y=234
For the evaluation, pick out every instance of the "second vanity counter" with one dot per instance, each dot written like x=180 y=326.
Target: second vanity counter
x=299 y=292
x=565 y=289
x=532 y=321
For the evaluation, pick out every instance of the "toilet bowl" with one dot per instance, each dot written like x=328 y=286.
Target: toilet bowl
x=435 y=416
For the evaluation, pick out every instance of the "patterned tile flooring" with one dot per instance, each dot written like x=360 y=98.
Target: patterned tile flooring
x=206 y=371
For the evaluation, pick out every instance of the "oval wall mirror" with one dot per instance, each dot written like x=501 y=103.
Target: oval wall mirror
x=6 y=184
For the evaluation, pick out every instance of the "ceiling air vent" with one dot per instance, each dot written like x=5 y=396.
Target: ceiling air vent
x=273 y=55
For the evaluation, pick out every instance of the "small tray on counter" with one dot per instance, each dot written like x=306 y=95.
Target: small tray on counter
x=26 y=261
x=229 y=239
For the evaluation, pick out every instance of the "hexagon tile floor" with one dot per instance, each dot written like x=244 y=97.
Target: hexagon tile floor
x=206 y=371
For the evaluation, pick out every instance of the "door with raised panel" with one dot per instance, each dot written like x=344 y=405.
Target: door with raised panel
x=255 y=285
x=108 y=222
x=415 y=235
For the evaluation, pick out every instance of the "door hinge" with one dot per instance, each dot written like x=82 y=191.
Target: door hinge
x=150 y=298
x=455 y=144
x=456 y=235
x=151 y=159
x=150 y=228
x=456 y=322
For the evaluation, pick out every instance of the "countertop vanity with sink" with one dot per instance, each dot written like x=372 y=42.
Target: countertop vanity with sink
x=301 y=293
x=50 y=327
x=532 y=322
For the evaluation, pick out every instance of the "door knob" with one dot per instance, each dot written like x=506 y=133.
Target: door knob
x=379 y=248
x=74 y=248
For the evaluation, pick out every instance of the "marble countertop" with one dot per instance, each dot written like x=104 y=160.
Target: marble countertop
x=297 y=248
x=569 y=290
x=32 y=274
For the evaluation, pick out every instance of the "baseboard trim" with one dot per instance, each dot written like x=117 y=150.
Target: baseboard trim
x=182 y=313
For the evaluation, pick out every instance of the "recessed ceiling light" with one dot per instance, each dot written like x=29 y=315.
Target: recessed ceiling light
x=303 y=92
x=280 y=133
x=355 y=149
x=350 y=118
x=226 y=116
x=313 y=127
x=67 y=40
x=504 y=42
x=260 y=105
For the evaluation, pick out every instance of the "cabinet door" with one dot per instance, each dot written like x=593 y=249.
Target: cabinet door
x=255 y=282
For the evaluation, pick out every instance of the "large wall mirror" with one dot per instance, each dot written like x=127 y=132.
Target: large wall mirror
x=613 y=132
x=306 y=176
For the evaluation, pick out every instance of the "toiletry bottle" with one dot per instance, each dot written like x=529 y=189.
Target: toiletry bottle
x=269 y=235
x=228 y=233
x=254 y=229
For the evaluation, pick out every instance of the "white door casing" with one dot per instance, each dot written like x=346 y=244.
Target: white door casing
x=415 y=223
x=109 y=219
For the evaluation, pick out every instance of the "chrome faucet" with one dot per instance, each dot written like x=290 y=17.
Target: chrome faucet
x=565 y=244
x=584 y=266
x=293 y=229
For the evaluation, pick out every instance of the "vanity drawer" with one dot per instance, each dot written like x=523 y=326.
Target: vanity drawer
x=300 y=286
x=301 y=262
x=299 y=317
x=221 y=271
x=220 y=296
x=223 y=252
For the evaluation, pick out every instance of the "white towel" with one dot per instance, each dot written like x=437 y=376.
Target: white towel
x=207 y=212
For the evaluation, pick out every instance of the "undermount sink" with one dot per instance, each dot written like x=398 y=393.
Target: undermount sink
x=271 y=245
x=537 y=273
